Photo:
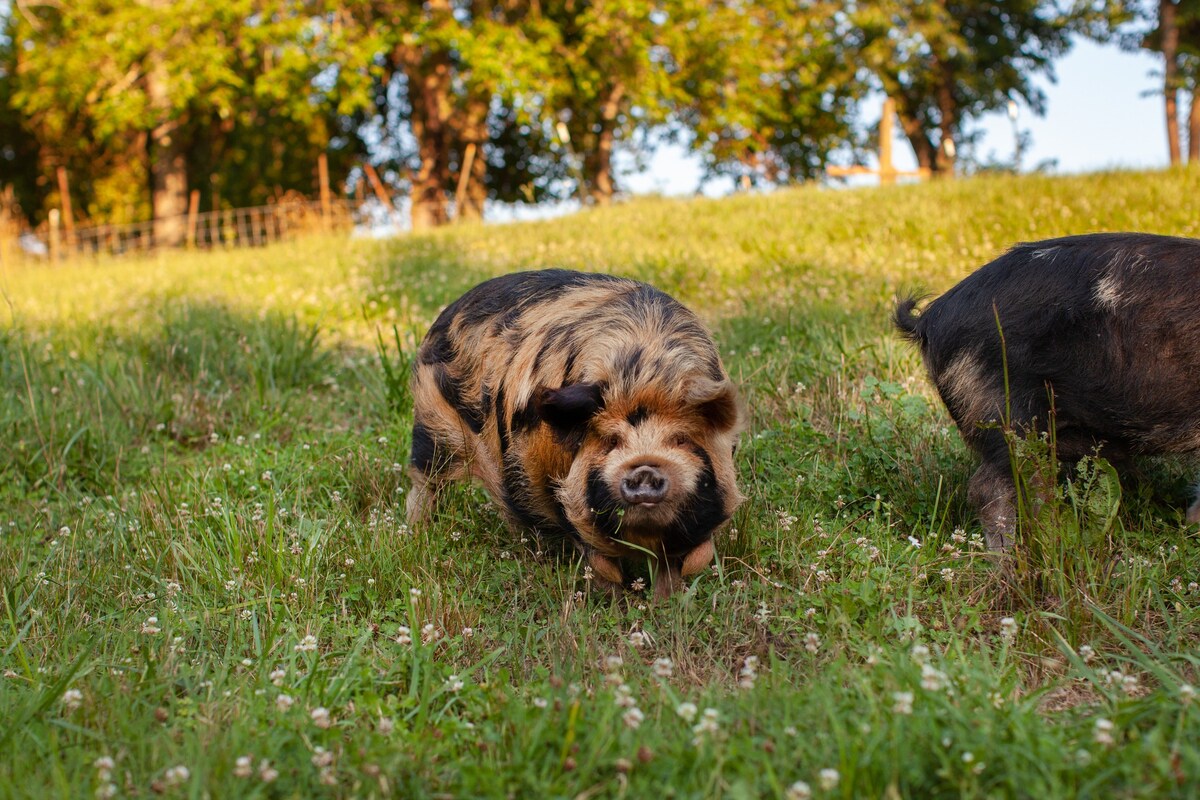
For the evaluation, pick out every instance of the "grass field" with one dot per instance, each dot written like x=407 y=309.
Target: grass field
x=208 y=588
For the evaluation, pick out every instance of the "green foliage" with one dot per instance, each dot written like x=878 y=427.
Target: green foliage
x=239 y=488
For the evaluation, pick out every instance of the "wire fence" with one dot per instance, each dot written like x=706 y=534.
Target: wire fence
x=210 y=230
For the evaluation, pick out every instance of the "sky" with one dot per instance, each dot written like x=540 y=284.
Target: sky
x=1098 y=116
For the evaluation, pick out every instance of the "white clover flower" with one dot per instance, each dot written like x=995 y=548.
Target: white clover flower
x=633 y=717
x=748 y=673
x=902 y=703
x=1187 y=693
x=664 y=667
x=386 y=726
x=706 y=726
x=613 y=664
x=284 y=702
x=468 y=633
x=403 y=635
x=1008 y=627
x=812 y=642
x=799 y=791
x=638 y=585
x=176 y=775
x=827 y=779
x=919 y=653
x=244 y=767
x=320 y=717
x=932 y=679
x=540 y=702
x=1102 y=732
x=277 y=675
x=623 y=696
x=104 y=764
x=321 y=757
x=267 y=773
x=105 y=791
x=638 y=639
x=150 y=626
x=686 y=711
x=454 y=683
x=414 y=595
x=1087 y=653
x=307 y=645
x=71 y=700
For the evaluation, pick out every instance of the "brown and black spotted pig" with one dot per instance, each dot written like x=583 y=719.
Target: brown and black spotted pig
x=589 y=406
x=1104 y=326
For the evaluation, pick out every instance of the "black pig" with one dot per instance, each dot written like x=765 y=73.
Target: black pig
x=1103 y=328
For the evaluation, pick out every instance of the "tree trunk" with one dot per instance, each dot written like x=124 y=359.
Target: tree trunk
x=597 y=163
x=1169 y=37
x=1194 y=127
x=168 y=159
x=947 y=151
x=429 y=83
x=918 y=138
x=429 y=89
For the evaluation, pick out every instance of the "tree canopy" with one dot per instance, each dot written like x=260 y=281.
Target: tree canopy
x=461 y=101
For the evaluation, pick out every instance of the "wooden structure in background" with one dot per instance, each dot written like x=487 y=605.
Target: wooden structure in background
x=242 y=227
x=887 y=171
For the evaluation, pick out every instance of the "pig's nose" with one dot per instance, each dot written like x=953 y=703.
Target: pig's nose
x=645 y=485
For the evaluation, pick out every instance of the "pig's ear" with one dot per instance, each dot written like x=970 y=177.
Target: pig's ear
x=568 y=409
x=717 y=402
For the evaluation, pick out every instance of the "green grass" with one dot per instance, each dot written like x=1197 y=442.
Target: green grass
x=200 y=467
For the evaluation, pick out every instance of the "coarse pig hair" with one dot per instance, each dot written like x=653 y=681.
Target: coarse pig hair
x=589 y=406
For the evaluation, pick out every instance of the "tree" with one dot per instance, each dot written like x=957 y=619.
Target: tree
x=150 y=91
x=947 y=62
x=1177 y=37
x=764 y=90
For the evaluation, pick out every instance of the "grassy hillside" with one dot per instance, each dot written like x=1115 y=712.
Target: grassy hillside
x=208 y=588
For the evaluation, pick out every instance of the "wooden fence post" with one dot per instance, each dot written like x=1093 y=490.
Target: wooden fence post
x=55 y=220
x=68 y=219
x=378 y=187
x=887 y=169
x=464 y=178
x=323 y=175
x=193 y=211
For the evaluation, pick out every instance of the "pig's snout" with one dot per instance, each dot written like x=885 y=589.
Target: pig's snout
x=644 y=485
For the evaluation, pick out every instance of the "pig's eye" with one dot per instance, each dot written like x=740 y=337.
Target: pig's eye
x=681 y=441
x=610 y=442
